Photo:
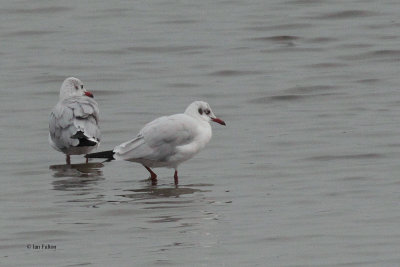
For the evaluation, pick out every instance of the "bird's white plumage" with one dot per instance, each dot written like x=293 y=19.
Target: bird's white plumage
x=169 y=140
x=75 y=116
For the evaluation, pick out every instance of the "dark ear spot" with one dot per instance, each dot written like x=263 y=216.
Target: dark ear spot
x=200 y=111
x=76 y=87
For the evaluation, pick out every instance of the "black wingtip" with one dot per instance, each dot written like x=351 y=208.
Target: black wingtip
x=83 y=139
x=86 y=142
x=109 y=154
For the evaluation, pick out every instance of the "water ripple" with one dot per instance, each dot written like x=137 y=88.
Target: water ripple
x=286 y=98
x=294 y=26
x=229 y=73
x=347 y=14
x=27 y=33
x=386 y=55
x=278 y=38
x=346 y=157
x=36 y=10
x=166 y=49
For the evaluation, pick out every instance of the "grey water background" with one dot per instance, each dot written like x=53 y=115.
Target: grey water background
x=306 y=173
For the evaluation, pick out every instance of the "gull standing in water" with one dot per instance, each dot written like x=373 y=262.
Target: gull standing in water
x=167 y=141
x=73 y=123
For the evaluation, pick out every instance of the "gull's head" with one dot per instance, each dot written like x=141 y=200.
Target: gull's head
x=202 y=111
x=73 y=87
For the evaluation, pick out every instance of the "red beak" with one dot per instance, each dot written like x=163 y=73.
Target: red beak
x=89 y=94
x=218 y=120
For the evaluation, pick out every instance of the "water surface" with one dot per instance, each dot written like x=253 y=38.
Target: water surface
x=306 y=172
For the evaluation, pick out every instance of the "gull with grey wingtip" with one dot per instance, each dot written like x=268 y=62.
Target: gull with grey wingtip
x=73 y=123
x=167 y=141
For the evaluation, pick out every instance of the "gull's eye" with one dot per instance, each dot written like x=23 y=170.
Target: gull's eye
x=207 y=111
x=200 y=111
x=82 y=86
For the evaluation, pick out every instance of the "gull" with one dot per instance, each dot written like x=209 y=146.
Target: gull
x=167 y=141
x=73 y=122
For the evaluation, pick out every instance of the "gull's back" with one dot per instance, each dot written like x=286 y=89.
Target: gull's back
x=159 y=140
x=71 y=116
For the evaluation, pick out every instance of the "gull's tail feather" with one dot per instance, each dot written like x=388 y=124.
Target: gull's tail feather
x=109 y=154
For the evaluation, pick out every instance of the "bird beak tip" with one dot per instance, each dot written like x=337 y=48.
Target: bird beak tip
x=218 y=120
x=89 y=94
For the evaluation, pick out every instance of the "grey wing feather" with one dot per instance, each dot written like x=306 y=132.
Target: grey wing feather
x=70 y=116
x=132 y=149
x=158 y=139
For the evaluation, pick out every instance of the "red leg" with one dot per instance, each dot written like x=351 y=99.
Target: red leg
x=176 y=177
x=87 y=160
x=153 y=176
x=68 y=160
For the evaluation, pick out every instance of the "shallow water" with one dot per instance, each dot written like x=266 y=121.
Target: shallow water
x=306 y=172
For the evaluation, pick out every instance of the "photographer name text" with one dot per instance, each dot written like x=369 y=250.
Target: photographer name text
x=41 y=246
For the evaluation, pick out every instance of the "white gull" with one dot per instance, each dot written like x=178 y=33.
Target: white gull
x=73 y=123
x=167 y=141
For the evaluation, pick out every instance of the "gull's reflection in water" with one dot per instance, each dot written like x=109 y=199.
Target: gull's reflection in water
x=160 y=192
x=171 y=205
x=78 y=176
